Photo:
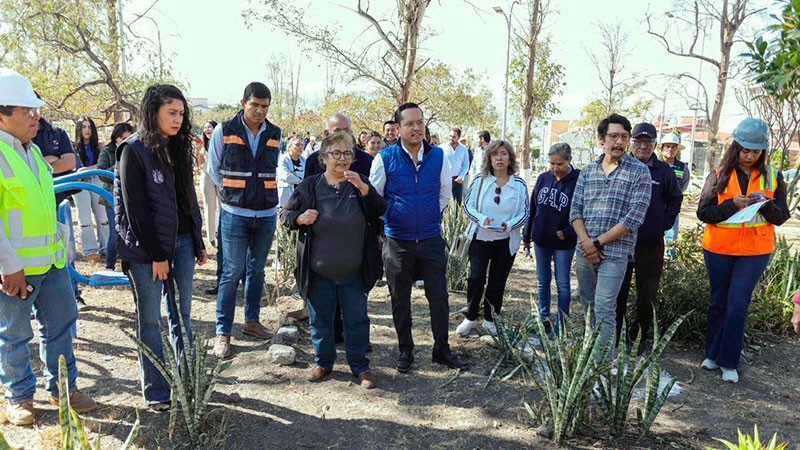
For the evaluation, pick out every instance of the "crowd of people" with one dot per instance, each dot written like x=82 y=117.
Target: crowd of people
x=365 y=207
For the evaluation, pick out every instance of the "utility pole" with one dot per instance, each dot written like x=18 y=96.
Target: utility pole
x=508 y=16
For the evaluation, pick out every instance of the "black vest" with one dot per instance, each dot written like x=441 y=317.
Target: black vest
x=249 y=182
x=161 y=198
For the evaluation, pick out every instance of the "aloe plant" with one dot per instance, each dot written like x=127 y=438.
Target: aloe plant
x=187 y=375
x=568 y=366
x=73 y=436
x=615 y=398
x=511 y=337
x=746 y=442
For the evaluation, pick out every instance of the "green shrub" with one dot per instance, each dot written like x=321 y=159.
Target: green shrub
x=751 y=443
x=454 y=224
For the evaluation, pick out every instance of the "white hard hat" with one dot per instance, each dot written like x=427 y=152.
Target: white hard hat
x=16 y=90
x=671 y=138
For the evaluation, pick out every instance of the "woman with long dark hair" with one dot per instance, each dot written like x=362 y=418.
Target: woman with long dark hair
x=737 y=249
x=107 y=161
x=88 y=204
x=159 y=224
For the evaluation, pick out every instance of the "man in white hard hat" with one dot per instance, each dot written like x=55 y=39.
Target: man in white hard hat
x=670 y=145
x=32 y=260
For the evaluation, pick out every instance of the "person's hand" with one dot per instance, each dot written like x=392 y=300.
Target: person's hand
x=504 y=225
x=15 y=284
x=587 y=248
x=355 y=179
x=160 y=270
x=596 y=258
x=560 y=235
x=487 y=221
x=308 y=217
x=459 y=180
x=741 y=201
x=203 y=258
x=796 y=318
x=527 y=247
x=82 y=169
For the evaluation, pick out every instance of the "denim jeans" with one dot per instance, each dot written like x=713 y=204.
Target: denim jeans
x=562 y=263
x=111 y=247
x=598 y=286
x=246 y=242
x=88 y=204
x=323 y=296
x=55 y=311
x=672 y=234
x=732 y=280
x=148 y=295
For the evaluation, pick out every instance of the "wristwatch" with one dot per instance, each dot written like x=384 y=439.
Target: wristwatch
x=597 y=244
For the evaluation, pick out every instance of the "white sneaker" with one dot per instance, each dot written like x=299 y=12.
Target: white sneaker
x=466 y=326
x=420 y=284
x=489 y=326
x=708 y=364
x=730 y=375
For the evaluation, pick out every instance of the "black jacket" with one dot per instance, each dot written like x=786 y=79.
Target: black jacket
x=361 y=164
x=665 y=201
x=551 y=201
x=303 y=198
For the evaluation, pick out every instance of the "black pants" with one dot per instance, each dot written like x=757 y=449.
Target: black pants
x=458 y=191
x=648 y=262
x=399 y=260
x=496 y=257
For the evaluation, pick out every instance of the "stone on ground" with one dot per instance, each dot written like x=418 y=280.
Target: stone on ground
x=286 y=336
x=290 y=306
x=282 y=355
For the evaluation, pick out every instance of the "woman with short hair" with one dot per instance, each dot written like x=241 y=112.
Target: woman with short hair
x=548 y=227
x=338 y=214
x=291 y=167
x=497 y=207
x=736 y=253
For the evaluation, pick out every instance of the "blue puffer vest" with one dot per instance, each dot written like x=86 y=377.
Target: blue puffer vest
x=412 y=195
x=249 y=182
x=161 y=198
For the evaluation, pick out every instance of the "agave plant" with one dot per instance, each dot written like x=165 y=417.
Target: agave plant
x=73 y=435
x=511 y=338
x=568 y=367
x=751 y=443
x=454 y=224
x=187 y=375
x=615 y=398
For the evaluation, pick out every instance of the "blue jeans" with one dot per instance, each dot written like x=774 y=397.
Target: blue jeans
x=246 y=242
x=111 y=247
x=732 y=280
x=55 y=311
x=672 y=234
x=322 y=298
x=148 y=295
x=598 y=286
x=562 y=262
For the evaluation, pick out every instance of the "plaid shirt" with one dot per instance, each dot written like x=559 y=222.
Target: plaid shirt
x=603 y=202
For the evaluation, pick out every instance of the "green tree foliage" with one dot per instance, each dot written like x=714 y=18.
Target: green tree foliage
x=548 y=82
x=73 y=54
x=775 y=62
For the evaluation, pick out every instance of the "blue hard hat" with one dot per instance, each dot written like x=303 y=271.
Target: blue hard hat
x=752 y=133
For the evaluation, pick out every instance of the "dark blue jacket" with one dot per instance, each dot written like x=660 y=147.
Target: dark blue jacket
x=551 y=201
x=160 y=201
x=361 y=164
x=665 y=202
x=412 y=193
x=249 y=182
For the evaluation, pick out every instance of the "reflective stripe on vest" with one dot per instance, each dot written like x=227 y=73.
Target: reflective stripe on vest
x=27 y=209
x=755 y=237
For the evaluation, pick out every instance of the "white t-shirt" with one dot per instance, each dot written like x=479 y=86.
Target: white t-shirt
x=500 y=212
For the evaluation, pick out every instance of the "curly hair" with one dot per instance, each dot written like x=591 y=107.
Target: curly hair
x=94 y=141
x=180 y=145
x=491 y=149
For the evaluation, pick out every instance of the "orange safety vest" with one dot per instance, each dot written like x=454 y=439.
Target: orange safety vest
x=756 y=237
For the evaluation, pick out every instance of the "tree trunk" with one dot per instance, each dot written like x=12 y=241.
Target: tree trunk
x=411 y=13
x=727 y=33
x=533 y=36
x=113 y=47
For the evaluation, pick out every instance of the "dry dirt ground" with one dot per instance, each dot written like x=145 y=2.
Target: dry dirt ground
x=429 y=408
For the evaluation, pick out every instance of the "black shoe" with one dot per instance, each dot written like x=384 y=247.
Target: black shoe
x=369 y=347
x=81 y=302
x=450 y=361
x=212 y=291
x=404 y=361
x=338 y=339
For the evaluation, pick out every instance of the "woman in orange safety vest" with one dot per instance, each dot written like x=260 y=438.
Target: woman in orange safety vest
x=736 y=248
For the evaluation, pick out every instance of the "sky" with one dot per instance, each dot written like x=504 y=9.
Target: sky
x=216 y=55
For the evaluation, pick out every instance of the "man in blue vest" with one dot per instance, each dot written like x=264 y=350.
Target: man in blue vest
x=414 y=178
x=243 y=155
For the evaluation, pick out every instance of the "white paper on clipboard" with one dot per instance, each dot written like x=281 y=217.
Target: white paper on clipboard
x=746 y=214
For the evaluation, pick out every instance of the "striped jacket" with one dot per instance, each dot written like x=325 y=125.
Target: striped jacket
x=515 y=222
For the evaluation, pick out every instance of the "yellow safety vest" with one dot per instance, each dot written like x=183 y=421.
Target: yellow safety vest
x=28 y=211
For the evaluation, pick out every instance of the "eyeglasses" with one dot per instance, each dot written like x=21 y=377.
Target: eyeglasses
x=342 y=155
x=31 y=112
x=644 y=143
x=497 y=191
x=619 y=136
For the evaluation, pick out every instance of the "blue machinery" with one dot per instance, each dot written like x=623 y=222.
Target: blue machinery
x=72 y=183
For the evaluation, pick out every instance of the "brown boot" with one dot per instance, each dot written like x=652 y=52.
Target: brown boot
x=94 y=258
x=79 y=402
x=317 y=373
x=257 y=330
x=20 y=413
x=368 y=380
x=222 y=347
